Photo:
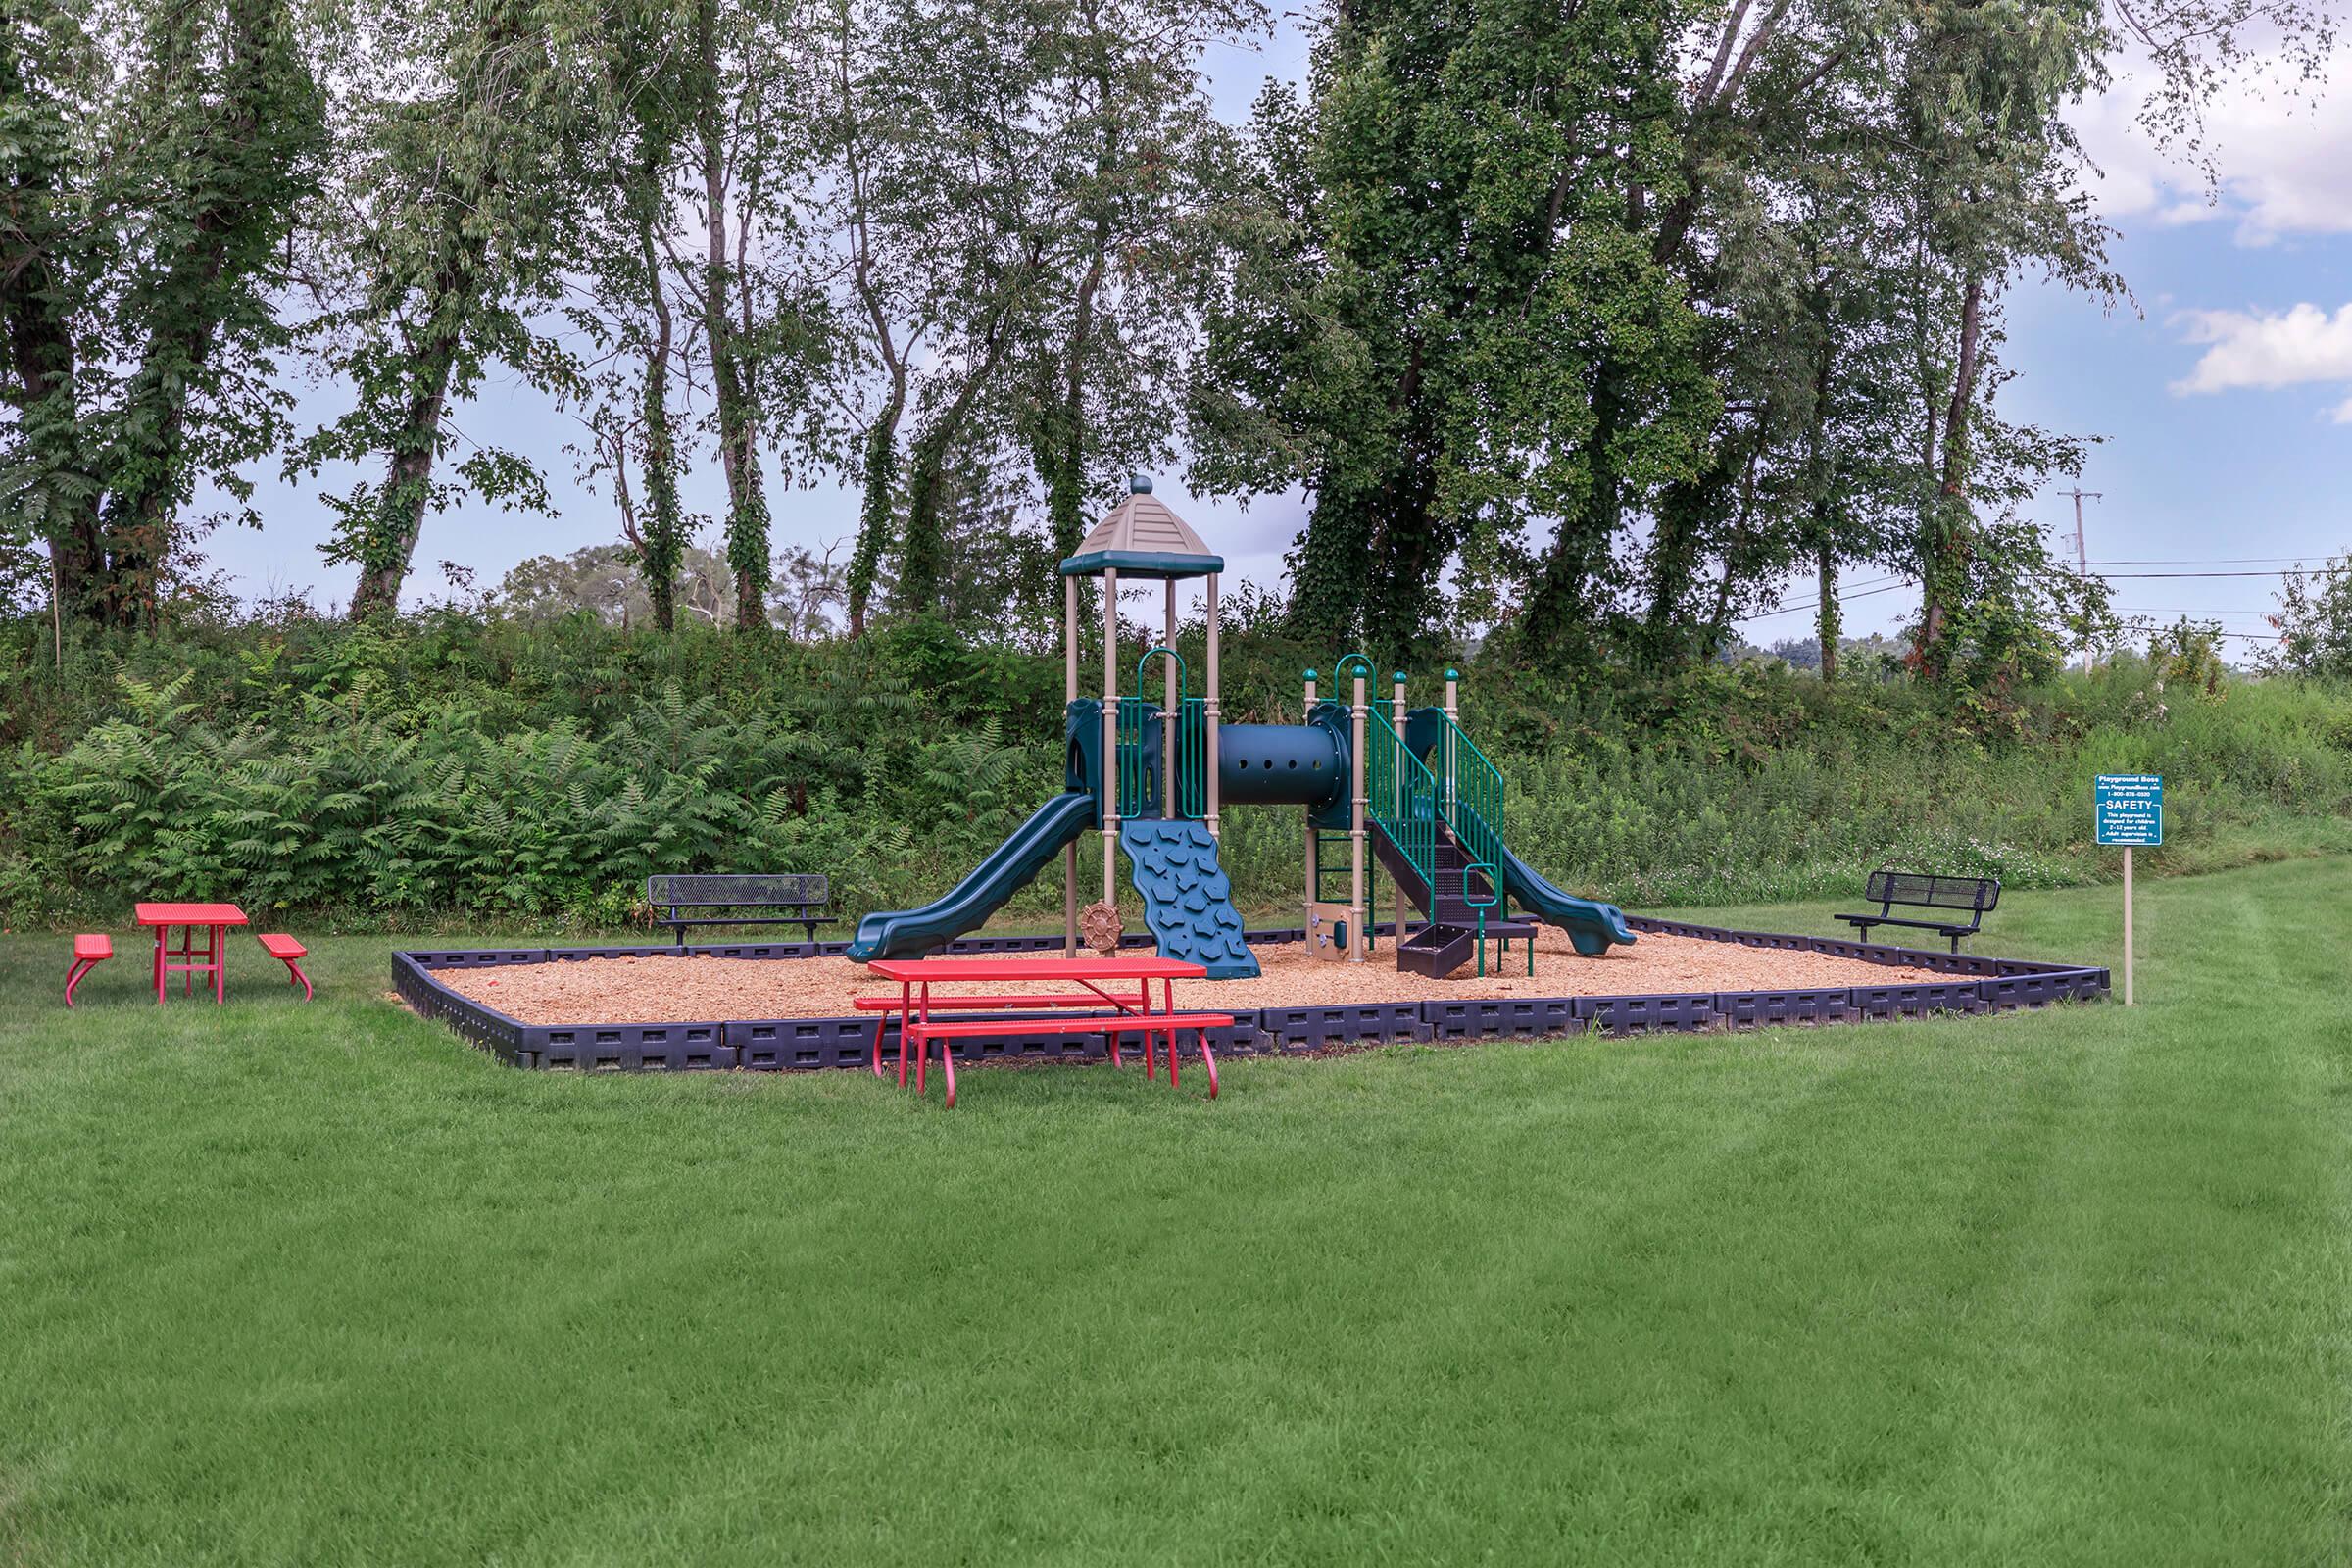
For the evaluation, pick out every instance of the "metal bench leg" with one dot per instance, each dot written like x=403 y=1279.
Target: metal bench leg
x=81 y=967
x=297 y=977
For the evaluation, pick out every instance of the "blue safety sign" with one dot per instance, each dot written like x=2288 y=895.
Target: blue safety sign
x=2131 y=808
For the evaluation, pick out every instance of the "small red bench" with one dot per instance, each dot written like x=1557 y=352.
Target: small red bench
x=90 y=950
x=920 y=1032
x=288 y=952
x=1059 y=999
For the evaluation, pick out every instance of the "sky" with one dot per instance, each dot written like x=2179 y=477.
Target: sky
x=2219 y=393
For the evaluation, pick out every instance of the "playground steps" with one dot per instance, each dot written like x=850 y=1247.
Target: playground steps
x=1435 y=950
x=1188 y=900
x=1456 y=884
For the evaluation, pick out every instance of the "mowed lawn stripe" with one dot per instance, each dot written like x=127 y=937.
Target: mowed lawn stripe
x=2179 y=1333
x=321 y=1283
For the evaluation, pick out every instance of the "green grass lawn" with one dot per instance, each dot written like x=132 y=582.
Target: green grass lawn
x=322 y=1285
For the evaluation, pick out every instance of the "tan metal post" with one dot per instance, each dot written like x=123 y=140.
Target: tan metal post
x=1396 y=722
x=1111 y=735
x=2128 y=942
x=1167 y=716
x=1453 y=717
x=1209 y=711
x=1311 y=889
x=1070 y=694
x=1356 y=946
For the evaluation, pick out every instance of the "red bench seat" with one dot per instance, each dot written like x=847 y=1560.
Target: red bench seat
x=1151 y=1025
x=284 y=948
x=90 y=950
x=1071 y=999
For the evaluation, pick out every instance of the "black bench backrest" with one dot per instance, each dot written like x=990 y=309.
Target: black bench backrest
x=1977 y=894
x=714 y=891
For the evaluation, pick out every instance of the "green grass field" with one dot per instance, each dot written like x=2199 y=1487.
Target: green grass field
x=322 y=1285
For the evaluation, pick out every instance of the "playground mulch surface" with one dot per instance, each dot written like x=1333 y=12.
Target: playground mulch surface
x=661 y=989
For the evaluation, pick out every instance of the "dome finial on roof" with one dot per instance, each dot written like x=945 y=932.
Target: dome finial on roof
x=1139 y=484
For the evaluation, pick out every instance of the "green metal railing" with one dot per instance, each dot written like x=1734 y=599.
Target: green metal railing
x=1139 y=783
x=1471 y=794
x=1135 y=773
x=1401 y=798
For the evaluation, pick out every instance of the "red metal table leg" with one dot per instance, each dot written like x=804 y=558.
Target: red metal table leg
x=217 y=956
x=1168 y=1006
x=906 y=1017
x=159 y=965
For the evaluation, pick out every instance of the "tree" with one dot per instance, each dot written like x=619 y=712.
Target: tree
x=152 y=161
x=451 y=216
x=1138 y=164
x=1017 y=192
x=629 y=165
x=1462 y=339
x=2314 y=624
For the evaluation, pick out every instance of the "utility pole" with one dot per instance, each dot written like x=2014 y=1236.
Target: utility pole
x=2082 y=552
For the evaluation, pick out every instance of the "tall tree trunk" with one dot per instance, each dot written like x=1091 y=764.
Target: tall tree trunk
x=1329 y=563
x=662 y=539
x=738 y=439
x=390 y=542
x=924 y=548
x=387 y=542
x=1364 y=559
x=236 y=189
x=1944 y=557
x=1559 y=611
x=41 y=355
x=879 y=500
x=1062 y=463
x=1820 y=476
x=1828 y=623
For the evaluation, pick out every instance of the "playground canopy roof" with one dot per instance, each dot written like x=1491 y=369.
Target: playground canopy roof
x=1143 y=538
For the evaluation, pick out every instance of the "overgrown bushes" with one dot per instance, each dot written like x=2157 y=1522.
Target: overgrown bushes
x=447 y=770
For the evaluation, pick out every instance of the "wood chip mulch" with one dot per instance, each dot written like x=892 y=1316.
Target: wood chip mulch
x=661 y=989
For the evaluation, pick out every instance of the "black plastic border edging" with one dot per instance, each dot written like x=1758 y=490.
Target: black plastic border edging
x=1961 y=983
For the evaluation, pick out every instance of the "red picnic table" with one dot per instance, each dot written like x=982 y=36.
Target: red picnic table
x=214 y=918
x=1131 y=1010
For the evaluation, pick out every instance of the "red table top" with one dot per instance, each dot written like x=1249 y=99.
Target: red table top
x=1021 y=968
x=190 y=914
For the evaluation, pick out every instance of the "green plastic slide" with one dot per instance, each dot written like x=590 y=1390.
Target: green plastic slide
x=911 y=933
x=1592 y=928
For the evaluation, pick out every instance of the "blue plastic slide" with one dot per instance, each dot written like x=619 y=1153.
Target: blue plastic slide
x=1592 y=928
x=911 y=933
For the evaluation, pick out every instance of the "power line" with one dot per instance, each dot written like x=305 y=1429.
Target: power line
x=1790 y=610
x=2173 y=576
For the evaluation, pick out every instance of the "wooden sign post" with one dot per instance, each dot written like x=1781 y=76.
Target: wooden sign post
x=2130 y=812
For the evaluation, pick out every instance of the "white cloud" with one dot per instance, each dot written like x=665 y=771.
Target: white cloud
x=2343 y=411
x=2281 y=159
x=2268 y=349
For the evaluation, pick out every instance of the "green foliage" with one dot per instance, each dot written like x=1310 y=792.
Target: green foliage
x=448 y=767
x=2314 y=624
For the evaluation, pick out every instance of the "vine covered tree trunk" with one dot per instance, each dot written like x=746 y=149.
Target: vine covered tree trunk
x=1943 y=562
x=389 y=542
x=877 y=503
x=238 y=188
x=738 y=433
x=1560 y=608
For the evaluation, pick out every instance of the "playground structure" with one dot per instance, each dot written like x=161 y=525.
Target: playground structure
x=1403 y=788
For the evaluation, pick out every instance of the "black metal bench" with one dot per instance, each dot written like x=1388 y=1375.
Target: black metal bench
x=1917 y=890
x=793 y=899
